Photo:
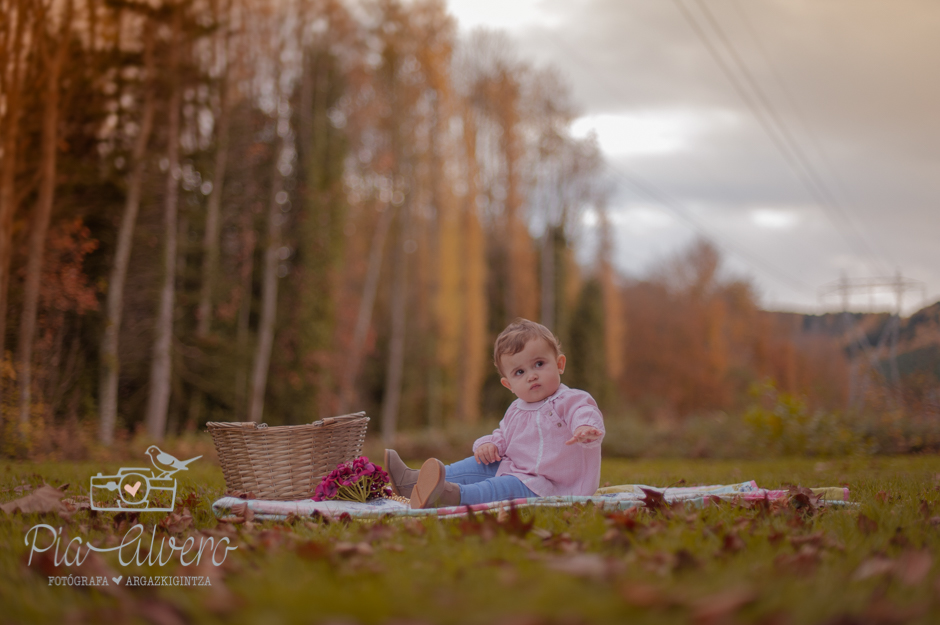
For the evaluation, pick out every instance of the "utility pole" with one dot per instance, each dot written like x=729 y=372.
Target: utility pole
x=861 y=354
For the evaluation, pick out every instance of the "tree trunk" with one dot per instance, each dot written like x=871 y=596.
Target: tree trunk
x=472 y=362
x=40 y=225
x=259 y=374
x=548 y=276
x=396 y=355
x=210 y=244
x=613 y=308
x=110 y=369
x=160 y=370
x=249 y=240
x=366 y=304
x=13 y=75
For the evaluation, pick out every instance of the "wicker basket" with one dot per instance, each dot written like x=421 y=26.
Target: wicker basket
x=286 y=462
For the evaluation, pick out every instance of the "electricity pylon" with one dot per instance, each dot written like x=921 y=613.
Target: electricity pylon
x=861 y=351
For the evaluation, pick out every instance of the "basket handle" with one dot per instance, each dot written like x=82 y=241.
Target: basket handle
x=345 y=417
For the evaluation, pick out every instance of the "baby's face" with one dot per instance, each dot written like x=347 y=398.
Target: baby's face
x=534 y=373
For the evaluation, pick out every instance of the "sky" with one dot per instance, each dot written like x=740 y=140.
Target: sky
x=802 y=137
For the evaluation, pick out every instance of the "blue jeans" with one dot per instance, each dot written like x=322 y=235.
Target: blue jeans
x=479 y=484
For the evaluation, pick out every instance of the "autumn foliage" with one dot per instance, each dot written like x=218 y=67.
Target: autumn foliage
x=362 y=201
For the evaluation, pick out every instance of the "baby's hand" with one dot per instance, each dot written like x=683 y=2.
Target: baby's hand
x=486 y=453
x=584 y=434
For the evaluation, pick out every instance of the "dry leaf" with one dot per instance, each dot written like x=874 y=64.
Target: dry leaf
x=349 y=549
x=873 y=567
x=590 y=565
x=645 y=596
x=718 y=607
x=866 y=525
x=43 y=500
x=912 y=567
x=685 y=560
x=159 y=611
x=732 y=543
x=815 y=539
x=313 y=550
x=802 y=562
x=654 y=500
x=177 y=522
x=96 y=566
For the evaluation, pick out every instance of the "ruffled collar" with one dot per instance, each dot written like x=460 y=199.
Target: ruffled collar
x=524 y=405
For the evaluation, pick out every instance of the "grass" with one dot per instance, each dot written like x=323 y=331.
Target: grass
x=578 y=565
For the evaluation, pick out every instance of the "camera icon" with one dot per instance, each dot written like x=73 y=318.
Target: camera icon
x=132 y=488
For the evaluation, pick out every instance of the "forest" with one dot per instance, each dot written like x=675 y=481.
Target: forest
x=281 y=210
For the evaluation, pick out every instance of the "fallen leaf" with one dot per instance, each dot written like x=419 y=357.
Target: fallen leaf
x=42 y=563
x=159 y=611
x=590 y=565
x=732 y=543
x=866 y=525
x=512 y=522
x=882 y=496
x=177 y=522
x=900 y=539
x=718 y=607
x=645 y=596
x=622 y=520
x=803 y=562
x=881 y=611
x=815 y=539
x=349 y=549
x=654 y=500
x=96 y=566
x=913 y=566
x=873 y=567
x=415 y=527
x=242 y=510
x=924 y=509
x=218 y=598
x=44 y=499
x=685 y=560
x=313 y=550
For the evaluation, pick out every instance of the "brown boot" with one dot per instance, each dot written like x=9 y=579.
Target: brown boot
x=401 y=478
x=431 y=490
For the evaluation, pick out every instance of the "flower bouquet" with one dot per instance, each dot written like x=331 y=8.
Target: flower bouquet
x=356 y=480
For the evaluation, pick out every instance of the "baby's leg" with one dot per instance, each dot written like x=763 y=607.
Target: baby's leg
x=500 y=488
x=469 y=471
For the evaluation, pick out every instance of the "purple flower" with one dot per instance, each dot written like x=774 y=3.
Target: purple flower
x=356 y=480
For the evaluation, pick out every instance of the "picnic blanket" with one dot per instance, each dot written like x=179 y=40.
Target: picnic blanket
x=608 y=498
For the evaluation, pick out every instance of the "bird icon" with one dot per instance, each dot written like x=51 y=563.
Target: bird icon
x=166 y=463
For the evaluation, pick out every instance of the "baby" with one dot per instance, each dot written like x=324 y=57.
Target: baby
x=548 y=443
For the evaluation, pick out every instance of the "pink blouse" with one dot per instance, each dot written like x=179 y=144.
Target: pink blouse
x=531 y=442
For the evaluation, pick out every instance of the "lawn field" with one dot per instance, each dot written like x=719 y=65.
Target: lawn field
x=872 y=561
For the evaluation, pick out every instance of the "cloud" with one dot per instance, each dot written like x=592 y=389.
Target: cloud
x=852 y=83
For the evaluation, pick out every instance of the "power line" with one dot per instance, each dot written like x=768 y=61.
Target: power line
x=773 y=125
x=649 y=190
x=794 y=105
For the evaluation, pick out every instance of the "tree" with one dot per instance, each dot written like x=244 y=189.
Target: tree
x=18 y=34
x=210 y=243
x=160 y=370
x=114 y=307
x=54 y=55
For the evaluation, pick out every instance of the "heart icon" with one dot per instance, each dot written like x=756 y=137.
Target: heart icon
x=117 y=580
x=132 y=490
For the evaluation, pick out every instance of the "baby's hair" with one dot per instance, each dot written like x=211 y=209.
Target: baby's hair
x=513 y=339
